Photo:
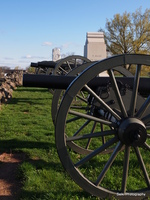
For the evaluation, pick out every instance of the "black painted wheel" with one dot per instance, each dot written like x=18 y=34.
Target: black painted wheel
x=83 y=97
x=125 y=170
x=65 y=65
x=40 y=70
x=58 y=94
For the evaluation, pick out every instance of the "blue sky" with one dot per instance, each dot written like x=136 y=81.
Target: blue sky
x=30 y=29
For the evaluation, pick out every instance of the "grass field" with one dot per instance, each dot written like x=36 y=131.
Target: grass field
x=26 y=126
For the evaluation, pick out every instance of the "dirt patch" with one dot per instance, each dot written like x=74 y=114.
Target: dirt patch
x=9 y=185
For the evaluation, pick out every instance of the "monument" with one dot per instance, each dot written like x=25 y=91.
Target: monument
x=56 y=54
x=95 y=47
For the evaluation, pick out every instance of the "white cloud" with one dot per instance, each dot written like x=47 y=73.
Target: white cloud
x=28 y=56
x=32 y=57
x=47 y=44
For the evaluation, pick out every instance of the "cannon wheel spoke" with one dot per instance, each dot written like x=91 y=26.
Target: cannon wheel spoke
x=125 y=169
x=95 y=152
x=58 y=94
x=117 y=92
x=107 y=144
x=64 y=66
x=143 y=108
x=109 y=163
x=92 y=131
x=142 y=165
x=135 y=90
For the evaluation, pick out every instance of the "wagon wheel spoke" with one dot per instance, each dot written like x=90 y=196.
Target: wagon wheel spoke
x=146 y=146
x=102 y=129
x=73 y=119
x=102 y=102
x=146 y=119
x=117 y=93
x=125 y=169
x=143 y=108
x=96 y=152
x=82 y=98
x=148 y=126
x=109 y=163
x=142 y=165
x=75 y=63
x=62 y=70
x=90 y=135
x=68 y=65
x=135 y=90
x=81 y=128
x=78 y=103
x=76 y=114
x=92 y=132
x=102 y=134
x=92 y=118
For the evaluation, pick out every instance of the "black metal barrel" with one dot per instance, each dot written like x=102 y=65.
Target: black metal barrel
x=51 y=64
x=44 y=64
x=62 y=82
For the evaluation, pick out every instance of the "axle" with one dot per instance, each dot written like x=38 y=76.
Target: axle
x=62 y=82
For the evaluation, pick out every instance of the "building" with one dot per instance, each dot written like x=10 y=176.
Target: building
x=95 y=47
x=56 y=54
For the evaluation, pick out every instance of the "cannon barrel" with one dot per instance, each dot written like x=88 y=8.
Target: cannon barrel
x=43 y=64
x=47 y=81
x=51 y=64
x=62 y=82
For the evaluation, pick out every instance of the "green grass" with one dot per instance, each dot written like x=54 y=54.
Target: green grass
x=26 y=126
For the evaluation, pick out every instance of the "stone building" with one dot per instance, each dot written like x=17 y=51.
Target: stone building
x=56 y=54
x=95 y=47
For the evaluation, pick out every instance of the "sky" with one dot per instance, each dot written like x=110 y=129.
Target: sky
x=30 y=29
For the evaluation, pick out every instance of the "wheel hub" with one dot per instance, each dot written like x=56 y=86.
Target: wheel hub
x=132 y=132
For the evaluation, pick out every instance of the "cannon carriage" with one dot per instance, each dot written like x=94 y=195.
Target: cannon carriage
x=111 y=120
x=71 y=66
x=59 y=67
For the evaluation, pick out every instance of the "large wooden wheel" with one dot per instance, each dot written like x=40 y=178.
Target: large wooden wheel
x=40 y=70
x=65 y=65
x=83 y=97
x=58 y=93
x=123 y=172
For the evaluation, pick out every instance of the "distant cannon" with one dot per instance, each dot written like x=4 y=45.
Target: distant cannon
x=60 y=67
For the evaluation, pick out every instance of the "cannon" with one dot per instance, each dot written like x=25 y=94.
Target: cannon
x=43 y=66
x=111 y=120
x=77 y=63
x=59 y=67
